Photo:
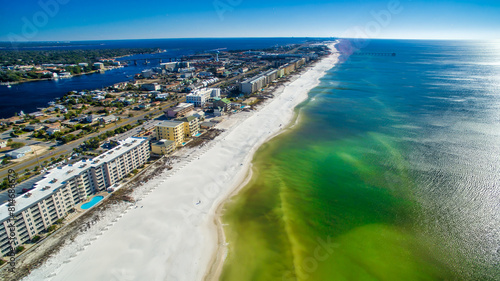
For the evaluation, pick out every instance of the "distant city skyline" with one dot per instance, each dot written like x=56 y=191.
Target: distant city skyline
x=66 y=20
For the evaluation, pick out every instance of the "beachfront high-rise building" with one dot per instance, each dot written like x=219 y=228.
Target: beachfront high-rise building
x=64 y=187
x=191 y=125
x=258 y=82
x=200 y=97
x=171 y=130
x=178 y=130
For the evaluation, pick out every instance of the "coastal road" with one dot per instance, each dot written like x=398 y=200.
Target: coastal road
x=68 y=148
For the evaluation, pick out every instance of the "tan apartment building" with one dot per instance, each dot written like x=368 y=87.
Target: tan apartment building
x=171 y=130
x=163 y=147
x=191 y=126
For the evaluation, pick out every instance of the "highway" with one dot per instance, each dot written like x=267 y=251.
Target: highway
x=68 y=148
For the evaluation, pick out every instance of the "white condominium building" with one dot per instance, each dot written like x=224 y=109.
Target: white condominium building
x=200 y=97
x=258 y=82
x=64 y=187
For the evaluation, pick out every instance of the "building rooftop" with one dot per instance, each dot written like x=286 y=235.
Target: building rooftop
x=169 y=124
x=57 y=177
x=186 y=119
x=23 y=149
x=184 y=105
x=124 y=147
x=165 y=143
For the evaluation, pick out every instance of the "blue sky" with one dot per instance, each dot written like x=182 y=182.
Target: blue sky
x=59 y=20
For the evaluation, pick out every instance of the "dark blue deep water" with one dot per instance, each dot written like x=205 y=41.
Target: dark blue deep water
x=395 y=160
x=29 y=96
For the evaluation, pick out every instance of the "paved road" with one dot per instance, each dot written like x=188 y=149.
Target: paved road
x=68 y=148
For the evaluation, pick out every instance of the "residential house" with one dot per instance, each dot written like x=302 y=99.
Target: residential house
x=162 y=96
x=33 y=127
x=54 y=119
x=144 y=105
x=51 y=131
x=36 y=114
x=108 y=119
x=91 y=118
x=15 y=120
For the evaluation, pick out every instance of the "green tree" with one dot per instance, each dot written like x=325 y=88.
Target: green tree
x=5 y=160
x=16 y=145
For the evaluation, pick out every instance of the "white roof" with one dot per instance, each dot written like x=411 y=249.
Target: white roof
x=169 y=124
x=57 y=177
x=21 y=150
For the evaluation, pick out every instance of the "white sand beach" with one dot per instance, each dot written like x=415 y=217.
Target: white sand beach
x=171 y=232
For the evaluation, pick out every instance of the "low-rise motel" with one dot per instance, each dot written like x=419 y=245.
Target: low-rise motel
x=64 y=187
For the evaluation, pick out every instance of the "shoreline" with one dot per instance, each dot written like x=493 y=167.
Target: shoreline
x=172 y=234
x=218 y=258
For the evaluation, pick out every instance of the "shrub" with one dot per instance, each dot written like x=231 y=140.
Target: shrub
x=16 y=145
x=51 y=228
x=19 y=249
x=35 y=239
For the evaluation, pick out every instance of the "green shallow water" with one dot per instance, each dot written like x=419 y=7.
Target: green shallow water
x=391 y=174
x=334 y=218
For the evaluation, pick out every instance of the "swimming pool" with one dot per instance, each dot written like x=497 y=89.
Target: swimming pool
x=92 y=202
x=197 y=135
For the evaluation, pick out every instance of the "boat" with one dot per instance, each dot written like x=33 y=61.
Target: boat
x=9 y=85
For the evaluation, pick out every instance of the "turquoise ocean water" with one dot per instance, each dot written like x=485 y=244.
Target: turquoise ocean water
x=393 y=172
